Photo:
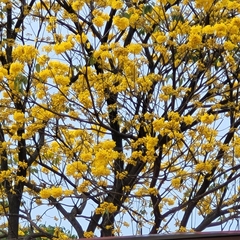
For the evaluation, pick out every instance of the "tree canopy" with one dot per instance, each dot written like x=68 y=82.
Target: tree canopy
x=121 y=116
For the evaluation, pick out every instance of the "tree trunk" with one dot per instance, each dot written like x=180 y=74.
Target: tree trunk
x=13 y=220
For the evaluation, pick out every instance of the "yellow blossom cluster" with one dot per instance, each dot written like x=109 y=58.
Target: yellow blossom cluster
x=77 y=5
x=83 y=187
x=5 y=175
x=16 y=68
x=150 y=143
x=204 y=166
x=236 y=144
x=81 y=38
x=52 y=23
x=63 y=47
x=104 y=157
x=40 y=113
x=59 y=234
x=121 y=22
x=99 y=18
x=3 y=73
x=121 y=175
x=207 y=118
x=76 y=169
x=176 y=183
x=143 y=191
x=25 y=53
x=19 y=117
x=169 y=201
x=106 y=207
x=172 y=126
x=134 y=48
x=116 y=4
x=88 y=234
x=205 y=205
x=55 y=192
x=161 y=84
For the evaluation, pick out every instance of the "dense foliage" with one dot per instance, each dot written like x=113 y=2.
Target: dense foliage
x=119 y=117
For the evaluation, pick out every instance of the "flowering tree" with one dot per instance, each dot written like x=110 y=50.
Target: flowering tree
x=119 y=113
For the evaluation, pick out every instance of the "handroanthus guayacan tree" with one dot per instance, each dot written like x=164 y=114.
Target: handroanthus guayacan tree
x=119 y=114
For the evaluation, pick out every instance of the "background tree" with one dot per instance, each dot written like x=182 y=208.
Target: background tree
x=119 y=113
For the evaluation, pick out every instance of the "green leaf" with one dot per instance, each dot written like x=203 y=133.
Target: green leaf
x=126 y=15
x=38 y=68
x=178 y=17
x=141 y=31
x=143 y=211
x=147 y=9
x=92 y=61
x=19 y=82
x=156 y=29
x=34 y=170
x=180 y=82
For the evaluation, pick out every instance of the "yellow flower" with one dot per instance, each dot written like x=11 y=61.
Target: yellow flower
x=208 y=29
x=121 y=22
x=108 y=144
x=182 y=229
x=229 y=46
x=68 y=192
x=21 y=233
x=237 y=151
x=204 y=167
x=44 y=75
x=133 y=19
x=173 y=116
x=16 y=68
x=159 y=124
x=63 y=47
x=176 y=182
x=81 y=38
x=106 y=207
x=25 y=53
x=77 y=5
x=169 y=201
x=43 y=59
x=38 y=201
x=3 y=73
x=62 y=80
x=83 y=187
x=99 y=17
x=163 y=97
x=18 y=117
x=151 y=142
x=121 y=175
x=100 y=171
x=153 y=191
x=56 y=192
x=220 y=29
x=134 y=48
x=116 y=4
x=188 y=119
x=207 y=118
x=168 y=90
x=76 y=169
x=45 y=193
x=98 y=21
x=195 y=40
x=205 y=4
x=159 y=37
x=86 y=156
x=126 y=224
x=88 y=234
x=84 y=98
